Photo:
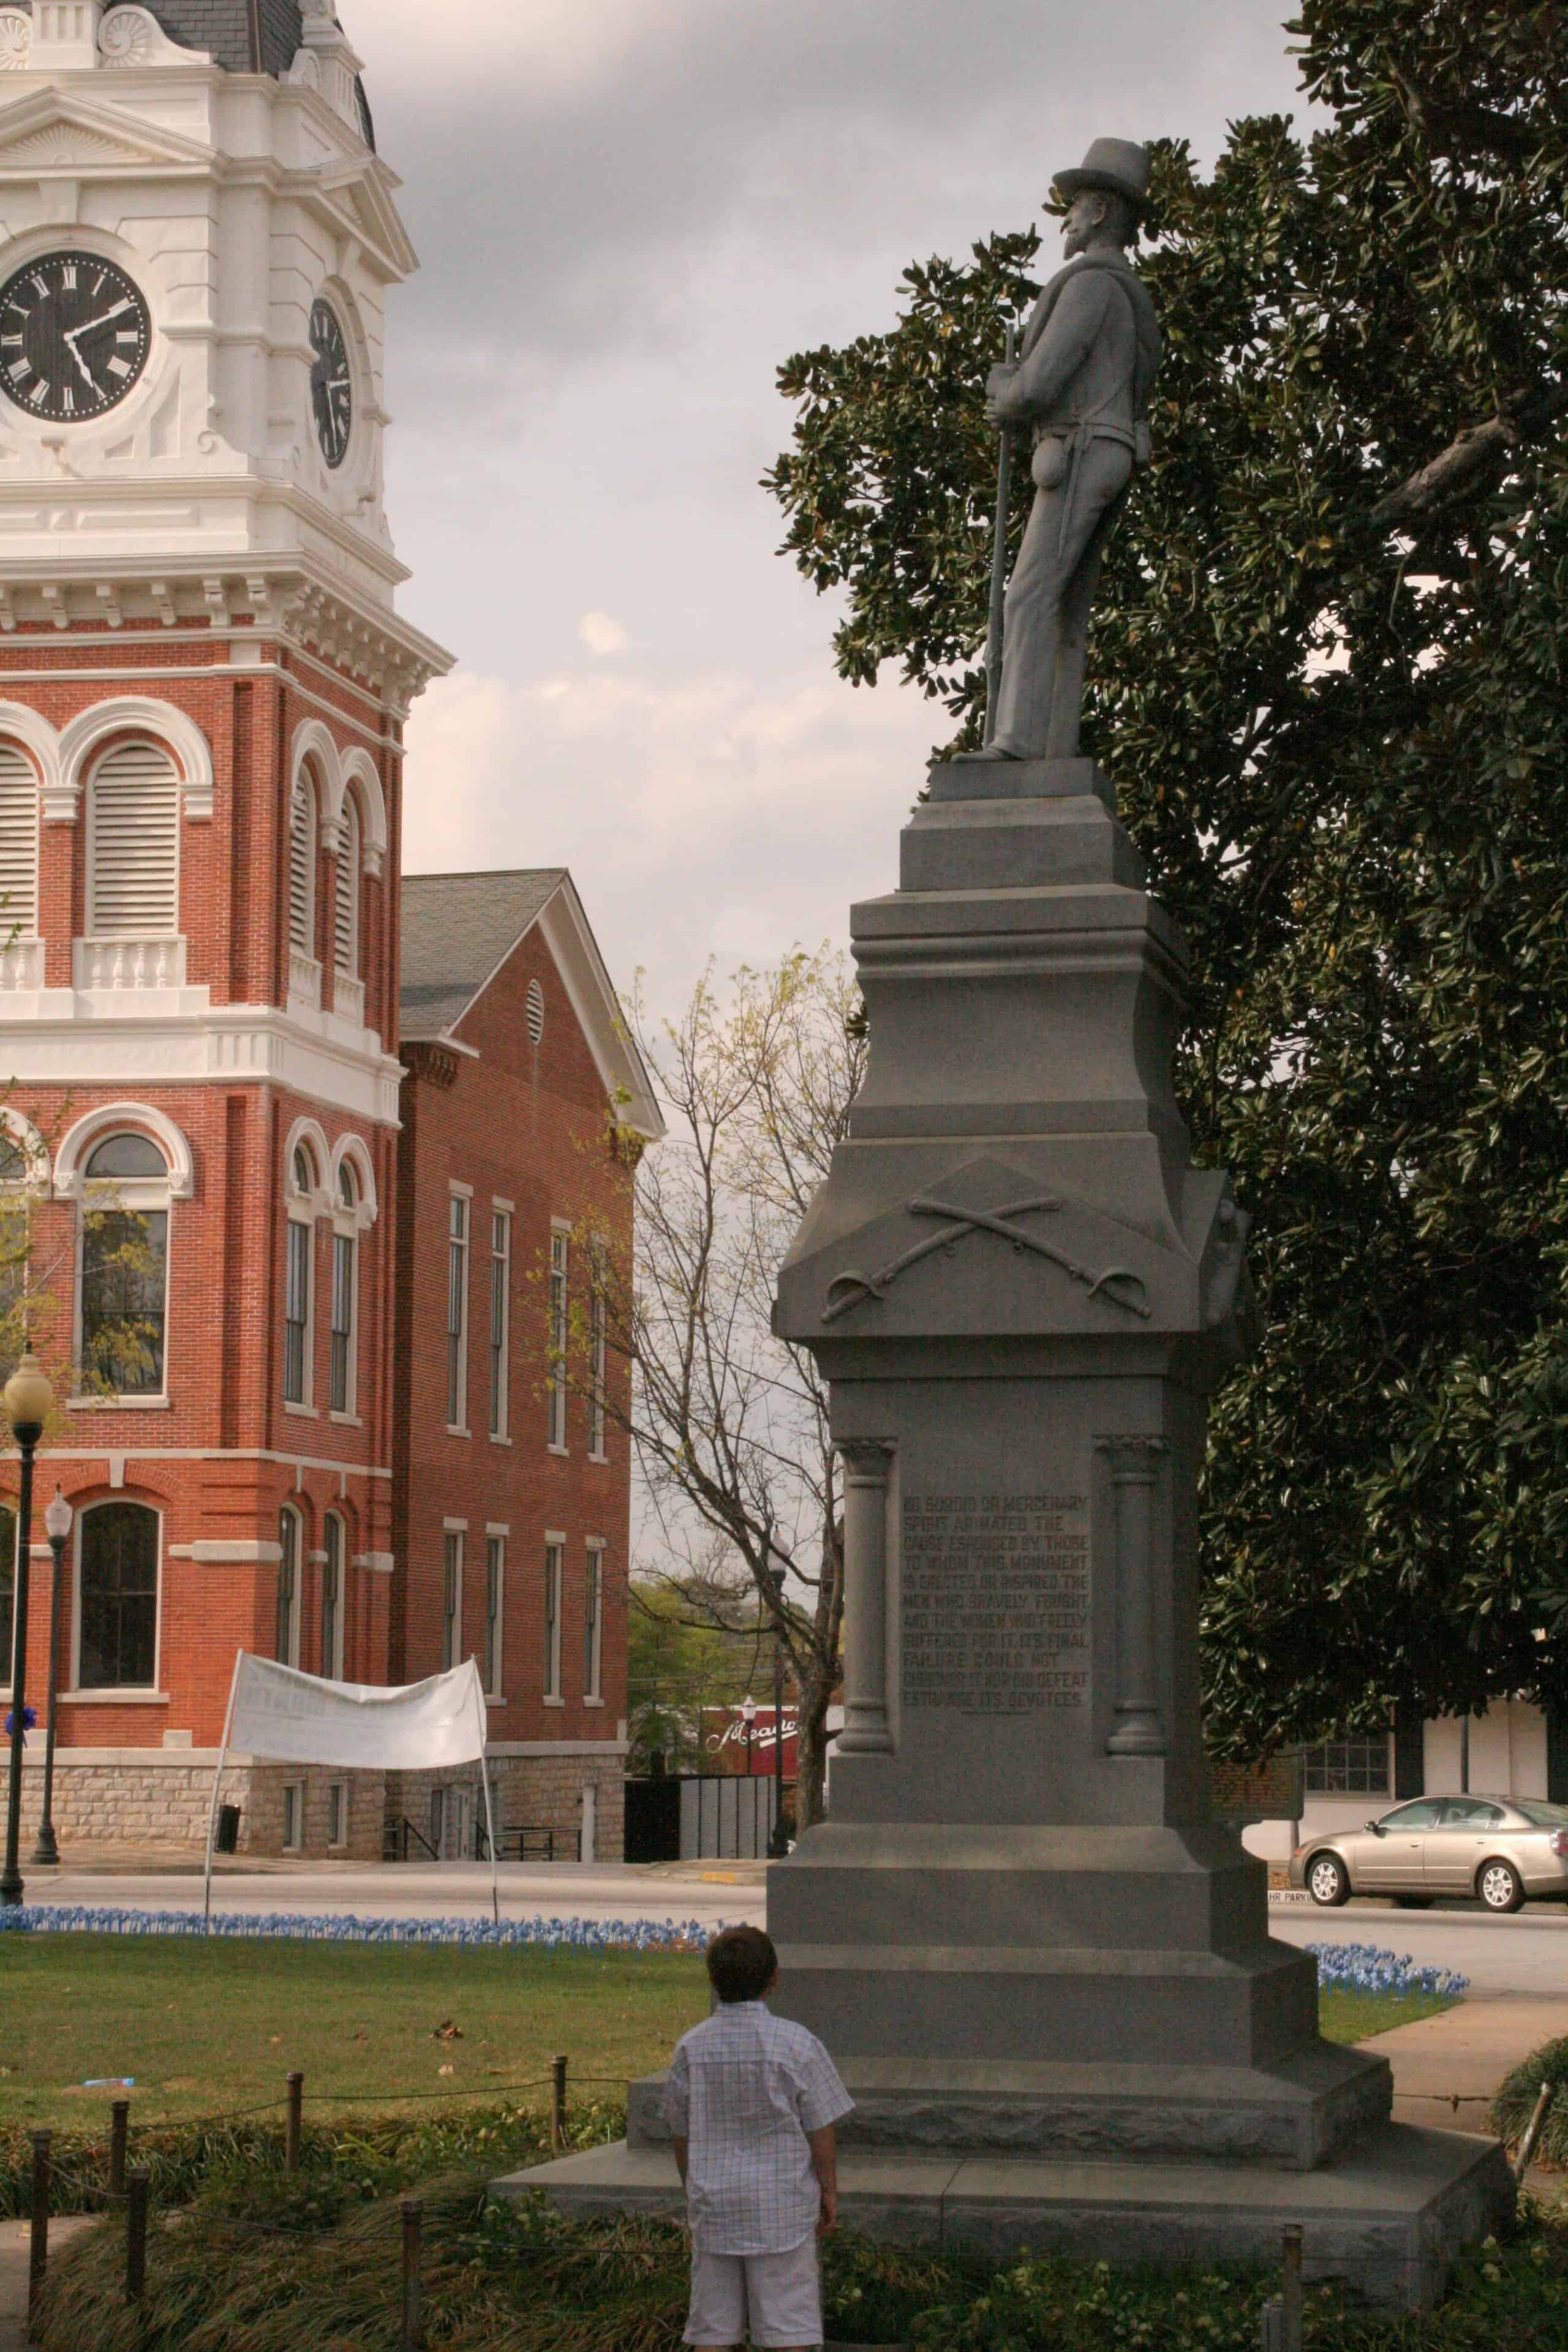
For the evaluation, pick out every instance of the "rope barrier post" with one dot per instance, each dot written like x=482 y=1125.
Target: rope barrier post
x=1291 y=2295
x=137 y=2184
x=293 y=2130
x=119 y=2135
x=38 y=2240
x=557 y=2106
x=412 y=2219
x=1543 y=2108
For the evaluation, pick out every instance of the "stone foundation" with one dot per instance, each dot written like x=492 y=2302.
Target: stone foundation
x=159 y=1797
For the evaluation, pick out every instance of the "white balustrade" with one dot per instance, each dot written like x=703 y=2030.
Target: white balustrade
x=22 y=964
x=304 y=979
x=102 y=964
x=348 y=999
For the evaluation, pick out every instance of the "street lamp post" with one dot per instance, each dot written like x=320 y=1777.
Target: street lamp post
x=28 y=1398
x=778 y=1838
x=749 y=1717
x=57 y=1527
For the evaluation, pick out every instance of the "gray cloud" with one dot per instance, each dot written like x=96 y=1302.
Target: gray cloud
x=629 y=211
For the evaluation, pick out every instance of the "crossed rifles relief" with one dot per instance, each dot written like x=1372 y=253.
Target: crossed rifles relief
x=1118 y=1284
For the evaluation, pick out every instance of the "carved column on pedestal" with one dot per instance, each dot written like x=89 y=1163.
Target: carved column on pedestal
x=1134 y=1469
x=866 y=1729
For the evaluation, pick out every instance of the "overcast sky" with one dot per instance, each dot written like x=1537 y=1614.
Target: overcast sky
x=628 y=213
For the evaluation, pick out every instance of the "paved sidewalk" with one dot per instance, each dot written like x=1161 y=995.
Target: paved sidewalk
x=15 y=2241
x=1466 y=2052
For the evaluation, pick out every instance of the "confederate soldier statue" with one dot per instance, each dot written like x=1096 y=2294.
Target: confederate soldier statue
x=1081 y=384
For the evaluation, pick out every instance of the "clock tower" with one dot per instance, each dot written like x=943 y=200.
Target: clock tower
x=204 y=682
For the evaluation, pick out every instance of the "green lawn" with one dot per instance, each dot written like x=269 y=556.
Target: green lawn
x=1353 y=2016
x=209 y=2029
x=212 y=2028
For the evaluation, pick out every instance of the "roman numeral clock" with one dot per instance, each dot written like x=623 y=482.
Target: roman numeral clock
x=75 y=331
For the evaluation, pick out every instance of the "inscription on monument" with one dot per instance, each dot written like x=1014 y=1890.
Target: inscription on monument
x=995 y=1602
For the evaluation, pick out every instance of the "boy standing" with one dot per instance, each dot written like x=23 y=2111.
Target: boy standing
x=752 y=2101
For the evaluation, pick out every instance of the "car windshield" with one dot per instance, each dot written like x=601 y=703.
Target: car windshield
x=1540 y=1816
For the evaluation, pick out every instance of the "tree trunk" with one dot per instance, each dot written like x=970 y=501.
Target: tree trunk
x=813 y=1692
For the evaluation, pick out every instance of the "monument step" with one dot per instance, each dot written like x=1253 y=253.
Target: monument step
x=1002 y=844
x=1388 y=2218
x=1294 y=2115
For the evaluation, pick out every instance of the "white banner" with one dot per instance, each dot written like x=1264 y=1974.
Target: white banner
x=295 y=1718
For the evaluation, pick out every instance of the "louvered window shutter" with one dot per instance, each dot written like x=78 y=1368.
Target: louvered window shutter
x=18 y=845
x=302 y=866
x=346 y=912
x=133 y=846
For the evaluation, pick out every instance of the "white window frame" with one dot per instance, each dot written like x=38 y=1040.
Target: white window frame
x=454 y=1564
x=334 y=1576
x=26 y=934
x=554 y=1597
x=495 y=1610
x=346 y=1230
x=340 y=1799
x=347 y=883
x=560 y=1294
x=598 y=1360
x=301 y=1210
x=128 y=1693
x=593 y=1622
x=500 y=1321
x=288 y=1515
x=294 y=1800
x=460 y=1280
x=135 y=1195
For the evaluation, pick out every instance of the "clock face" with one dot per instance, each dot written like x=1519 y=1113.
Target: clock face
x=332 y=386
x=75 y=333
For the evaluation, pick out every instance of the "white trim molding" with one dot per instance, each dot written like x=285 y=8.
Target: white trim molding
x=357 y=1152
x=319 y=1200
x=37 y=737
x=213 y=1552
x=30 y=1144
x=137 y=714
x=78 y=1141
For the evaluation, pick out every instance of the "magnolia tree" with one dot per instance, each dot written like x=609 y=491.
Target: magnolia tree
x=1327 y=675
x=728 y=1423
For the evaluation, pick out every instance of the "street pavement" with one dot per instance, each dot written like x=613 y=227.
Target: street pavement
x=709 y=1893
x=1526 y=1952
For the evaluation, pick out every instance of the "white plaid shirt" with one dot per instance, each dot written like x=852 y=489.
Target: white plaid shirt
x=743 y=2090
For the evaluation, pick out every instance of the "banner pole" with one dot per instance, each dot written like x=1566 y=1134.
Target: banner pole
x=212 y=1808
x=485 y=1785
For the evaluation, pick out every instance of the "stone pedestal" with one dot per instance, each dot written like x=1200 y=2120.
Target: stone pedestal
x=1041 y=1966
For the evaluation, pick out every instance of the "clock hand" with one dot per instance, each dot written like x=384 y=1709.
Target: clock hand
x=82 y=368
x=90 y=324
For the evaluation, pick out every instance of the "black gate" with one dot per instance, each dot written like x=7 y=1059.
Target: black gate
x=653 y=1821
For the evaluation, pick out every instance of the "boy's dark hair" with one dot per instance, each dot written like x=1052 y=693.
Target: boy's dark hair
x=741 y=1963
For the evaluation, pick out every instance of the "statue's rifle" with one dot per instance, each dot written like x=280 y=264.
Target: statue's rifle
x=999 y=563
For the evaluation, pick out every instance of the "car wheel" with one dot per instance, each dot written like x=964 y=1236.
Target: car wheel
x=1414 y=1902
x=1500 y=1886
x=1328 y=1881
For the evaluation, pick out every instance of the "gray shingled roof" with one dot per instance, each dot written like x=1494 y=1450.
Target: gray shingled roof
x=244 y=35
x=456 y=928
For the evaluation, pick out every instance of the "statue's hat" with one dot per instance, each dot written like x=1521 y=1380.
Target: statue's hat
x=1120 y=167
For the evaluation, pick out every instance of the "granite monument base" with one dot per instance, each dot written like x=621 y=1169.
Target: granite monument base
x=1388 y=2218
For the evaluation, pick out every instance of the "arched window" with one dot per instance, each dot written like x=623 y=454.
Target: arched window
x=292 y=1549
x=346 y=1291
x=345 y=911
x=333 y=1596
x=117 y=1637
x=299 y=1278
x=125 y=1267
x=18 y=846
x=302 y=822
x=133 y=845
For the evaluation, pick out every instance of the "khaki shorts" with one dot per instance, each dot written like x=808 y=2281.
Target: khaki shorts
x=779 y=2294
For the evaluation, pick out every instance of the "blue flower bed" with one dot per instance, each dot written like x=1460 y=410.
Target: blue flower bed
x=1362 y=1967
x=326 y=1927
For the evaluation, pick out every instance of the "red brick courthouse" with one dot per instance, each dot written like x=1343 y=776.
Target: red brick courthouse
x=298 y=1145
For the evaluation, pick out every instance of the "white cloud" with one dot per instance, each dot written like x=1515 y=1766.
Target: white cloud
x=699 y=814
x=601 y=634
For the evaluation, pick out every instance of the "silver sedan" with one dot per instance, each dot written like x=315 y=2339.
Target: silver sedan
x=1504 y=1849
